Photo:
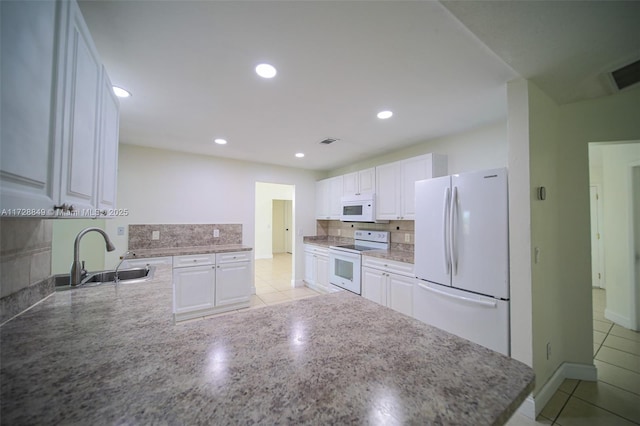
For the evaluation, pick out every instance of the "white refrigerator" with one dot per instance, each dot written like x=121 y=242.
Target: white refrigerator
x=462 y=256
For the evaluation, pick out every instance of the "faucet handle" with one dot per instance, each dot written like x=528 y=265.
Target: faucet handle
x=83 y=271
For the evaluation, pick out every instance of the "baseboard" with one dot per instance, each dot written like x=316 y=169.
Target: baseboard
x=264 y=257
x=297 y=283
x=532 y=406
x=618 y=319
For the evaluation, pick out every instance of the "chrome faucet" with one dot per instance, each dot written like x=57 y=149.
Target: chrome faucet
x=77 y=268
x=116 y=278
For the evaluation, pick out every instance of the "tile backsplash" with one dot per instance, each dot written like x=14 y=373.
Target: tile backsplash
x=183 y=235
x=402 y=231
x=25 y=264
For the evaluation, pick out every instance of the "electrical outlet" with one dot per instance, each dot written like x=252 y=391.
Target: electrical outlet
x=216 y=233
x=339 y=231
x=407 y=238
x=155 y=235
x=548 y=350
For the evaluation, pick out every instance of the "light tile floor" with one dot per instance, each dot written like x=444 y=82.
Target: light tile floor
x=273 y=282
x=615 y=398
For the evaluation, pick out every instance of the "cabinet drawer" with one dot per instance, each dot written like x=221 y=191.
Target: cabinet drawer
x=321 y=251
x=391 y=266
x=142 y=262
x=194 y=260
x=236 y=256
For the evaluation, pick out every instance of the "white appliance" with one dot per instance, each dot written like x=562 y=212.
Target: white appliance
x=462 y=256
x=345 y=262
x=358 y=208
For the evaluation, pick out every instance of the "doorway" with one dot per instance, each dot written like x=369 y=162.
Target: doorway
x=282 y=238
x=614 y=169
x=274 y=236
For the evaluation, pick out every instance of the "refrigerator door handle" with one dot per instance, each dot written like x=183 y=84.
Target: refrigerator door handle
x=484 y=303
x=445 y=218
x=452 y=231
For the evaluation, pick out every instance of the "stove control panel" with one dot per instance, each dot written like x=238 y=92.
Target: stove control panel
x=366 y=235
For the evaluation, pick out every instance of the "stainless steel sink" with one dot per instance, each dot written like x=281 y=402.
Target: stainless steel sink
x=92 y=279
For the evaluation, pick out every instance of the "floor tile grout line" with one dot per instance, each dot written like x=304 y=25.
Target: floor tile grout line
x=603 y=408
x=618 y=349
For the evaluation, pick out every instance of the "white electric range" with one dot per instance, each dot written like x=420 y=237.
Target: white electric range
x=345 y=261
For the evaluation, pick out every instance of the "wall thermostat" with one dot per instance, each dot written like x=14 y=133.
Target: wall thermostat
x=542 y=193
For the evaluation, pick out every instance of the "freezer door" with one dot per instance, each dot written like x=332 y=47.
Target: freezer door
x=483 y=320
x=431 y=231
x=479 y=231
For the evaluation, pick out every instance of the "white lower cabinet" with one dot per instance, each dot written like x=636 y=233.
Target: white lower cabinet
x=205 y=284
x=389 y=283
x=193 y=291
x=316 y=267
x=233 y=278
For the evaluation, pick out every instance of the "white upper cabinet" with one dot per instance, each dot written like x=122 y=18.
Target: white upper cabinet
x=59 y=120
x=82 y=105
x=395 y=184
x=328 y=198
x=108 y=145
x=359 y=182
x=31 y=81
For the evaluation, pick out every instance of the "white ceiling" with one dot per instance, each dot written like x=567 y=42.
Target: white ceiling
x=190 y=67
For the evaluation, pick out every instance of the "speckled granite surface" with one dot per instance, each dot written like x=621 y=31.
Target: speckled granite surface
x=180 y=251
x=397 y=255
x=113 y=356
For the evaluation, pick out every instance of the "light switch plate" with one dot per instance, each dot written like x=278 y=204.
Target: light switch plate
x=155 y=235
x=120 y=230
x=216 y=233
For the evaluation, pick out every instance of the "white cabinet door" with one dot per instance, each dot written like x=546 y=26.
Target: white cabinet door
x=367 y=180
x=335 y=197
x=108 y=145
x=322 y=199
x=329 y=198
x=387 y=191
x=395 y=184
x=233 y=283
x=309 y=267
x=350 y=184
x=322 y=271
x=80 y=134
x=374 y=285
x=194 y=288
x=411 y=170
x=400 y=293
x=359 y=182
x=31 y=87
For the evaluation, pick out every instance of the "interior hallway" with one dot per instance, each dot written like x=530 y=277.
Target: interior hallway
x=615 y=398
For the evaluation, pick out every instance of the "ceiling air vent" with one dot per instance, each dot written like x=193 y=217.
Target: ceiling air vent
x=328 y=141
x=627 y=75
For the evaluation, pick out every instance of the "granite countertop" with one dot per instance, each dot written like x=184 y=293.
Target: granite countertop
x=180 y=251
x=112 y=355
x=397 y=255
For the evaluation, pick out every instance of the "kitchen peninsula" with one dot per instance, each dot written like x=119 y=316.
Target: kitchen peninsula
x=112 y=355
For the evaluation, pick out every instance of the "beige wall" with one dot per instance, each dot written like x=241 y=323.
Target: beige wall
x=560 y=289
x=477 y=149
x=92 y=245
x=159 y=186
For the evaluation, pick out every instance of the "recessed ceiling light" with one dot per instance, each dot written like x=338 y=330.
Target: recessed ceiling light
x=266 y=71
x=383 y=115
x=220 y=141
x=299 y=154
x=120 y=92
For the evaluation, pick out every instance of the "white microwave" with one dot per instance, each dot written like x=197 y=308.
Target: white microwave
x=358 y=208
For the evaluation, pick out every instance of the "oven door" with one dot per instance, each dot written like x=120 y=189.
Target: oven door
x=344 y=270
